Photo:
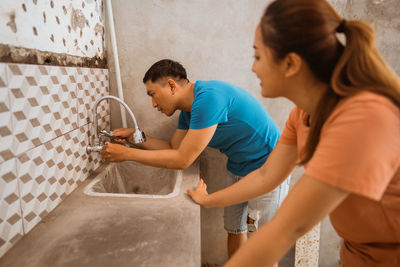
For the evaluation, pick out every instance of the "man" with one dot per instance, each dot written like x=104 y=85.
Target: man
x=215 y=114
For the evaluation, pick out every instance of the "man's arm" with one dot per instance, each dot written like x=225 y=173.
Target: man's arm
x=151 y=142
x=158 y=144
x=181 y=156
x=306 y=204
x=177 y=138
x=275 y=170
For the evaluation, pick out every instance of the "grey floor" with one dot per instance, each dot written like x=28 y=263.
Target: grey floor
x=287 y=260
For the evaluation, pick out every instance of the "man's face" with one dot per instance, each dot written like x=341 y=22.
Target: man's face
x=161 y=97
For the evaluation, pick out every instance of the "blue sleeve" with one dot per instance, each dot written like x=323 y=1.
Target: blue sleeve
x=184 y=119
x=209 y=108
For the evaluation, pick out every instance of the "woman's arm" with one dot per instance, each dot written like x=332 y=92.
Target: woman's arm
x=306 y=204
x=277 y=167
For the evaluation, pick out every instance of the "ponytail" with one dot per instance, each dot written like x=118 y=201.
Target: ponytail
x=309 y=28
x=361 y=67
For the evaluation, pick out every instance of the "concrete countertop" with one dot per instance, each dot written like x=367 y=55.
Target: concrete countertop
x=108 y=231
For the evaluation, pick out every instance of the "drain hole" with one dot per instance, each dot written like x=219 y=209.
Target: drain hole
x=136 y=189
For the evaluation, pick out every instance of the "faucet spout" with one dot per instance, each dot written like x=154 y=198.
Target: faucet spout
x=138 y=136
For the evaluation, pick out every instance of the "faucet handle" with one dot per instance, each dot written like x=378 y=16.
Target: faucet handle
x=90 y=149
x=107 y=133
x=138 y=136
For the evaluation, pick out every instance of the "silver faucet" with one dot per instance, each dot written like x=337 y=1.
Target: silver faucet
x=138 y=135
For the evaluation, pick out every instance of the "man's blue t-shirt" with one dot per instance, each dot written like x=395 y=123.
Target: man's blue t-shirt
x=245 y=132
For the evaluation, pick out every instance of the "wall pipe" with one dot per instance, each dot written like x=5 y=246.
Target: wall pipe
x=116 y=61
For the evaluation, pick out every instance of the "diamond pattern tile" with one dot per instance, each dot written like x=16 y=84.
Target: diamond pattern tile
x=91 y=85
x=42 y=176
x=50 y=172
x=10 y=209
x=83 y=167
x=95 y=158
x=6 y=136
x=43 y=104
x=44 y=115
x=3 y=75
x=77 y=169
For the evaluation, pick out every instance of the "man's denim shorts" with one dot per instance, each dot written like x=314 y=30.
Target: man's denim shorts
x=260 y=209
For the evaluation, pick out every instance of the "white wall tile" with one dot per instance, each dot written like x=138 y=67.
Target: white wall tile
x=46 y=148
x=103 y=124
x=10 y=207
x=73 y=27
x=46 y=175
x=91 y=85
x=43 y=104
x=5 y=117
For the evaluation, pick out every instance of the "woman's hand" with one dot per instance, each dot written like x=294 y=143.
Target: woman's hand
x=114 y=152
x=122 y=135
x=200 y=194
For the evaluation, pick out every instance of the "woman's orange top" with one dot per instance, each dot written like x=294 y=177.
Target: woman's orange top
x=359 y=152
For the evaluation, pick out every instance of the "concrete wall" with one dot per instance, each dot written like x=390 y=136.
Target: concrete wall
x=213 y=40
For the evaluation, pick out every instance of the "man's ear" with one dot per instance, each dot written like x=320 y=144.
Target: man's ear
x=172 y=86
x=292 y=64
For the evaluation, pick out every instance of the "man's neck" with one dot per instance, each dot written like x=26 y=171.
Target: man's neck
x=187 y=97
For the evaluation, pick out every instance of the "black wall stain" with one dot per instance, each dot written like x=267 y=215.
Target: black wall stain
x=13 y=54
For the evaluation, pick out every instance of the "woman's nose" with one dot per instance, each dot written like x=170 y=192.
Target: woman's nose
x=153 y=103
x=252 y=68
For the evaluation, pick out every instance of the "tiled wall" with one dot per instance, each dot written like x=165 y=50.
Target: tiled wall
x=72 y=27
x=45 y=126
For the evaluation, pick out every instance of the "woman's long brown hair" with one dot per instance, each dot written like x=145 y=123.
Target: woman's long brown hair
x=309 y=28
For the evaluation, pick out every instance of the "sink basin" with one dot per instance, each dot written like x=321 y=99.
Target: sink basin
x=131 y=179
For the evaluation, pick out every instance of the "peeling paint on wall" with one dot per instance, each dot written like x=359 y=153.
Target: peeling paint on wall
x=78 y=19
x=69 y=27
x=13 y=54
x=12 y=24
x=99 y=29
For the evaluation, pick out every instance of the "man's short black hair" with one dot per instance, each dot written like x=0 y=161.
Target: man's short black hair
x=165 y=68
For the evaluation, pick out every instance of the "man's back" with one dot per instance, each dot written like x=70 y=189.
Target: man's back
x=245 y=133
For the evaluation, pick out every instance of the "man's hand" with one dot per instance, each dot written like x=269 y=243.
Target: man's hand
x=114 y=152
x=122 y=135
x=200 y=194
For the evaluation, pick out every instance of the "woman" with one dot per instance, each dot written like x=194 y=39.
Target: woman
x=345 y=130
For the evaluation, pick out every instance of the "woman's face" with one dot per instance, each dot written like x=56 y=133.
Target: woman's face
x=266 y=68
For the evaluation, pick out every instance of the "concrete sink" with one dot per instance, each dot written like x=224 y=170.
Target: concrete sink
x=131 y=179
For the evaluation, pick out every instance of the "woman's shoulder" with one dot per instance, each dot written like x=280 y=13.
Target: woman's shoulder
x=367 y=98
x=366 y=105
